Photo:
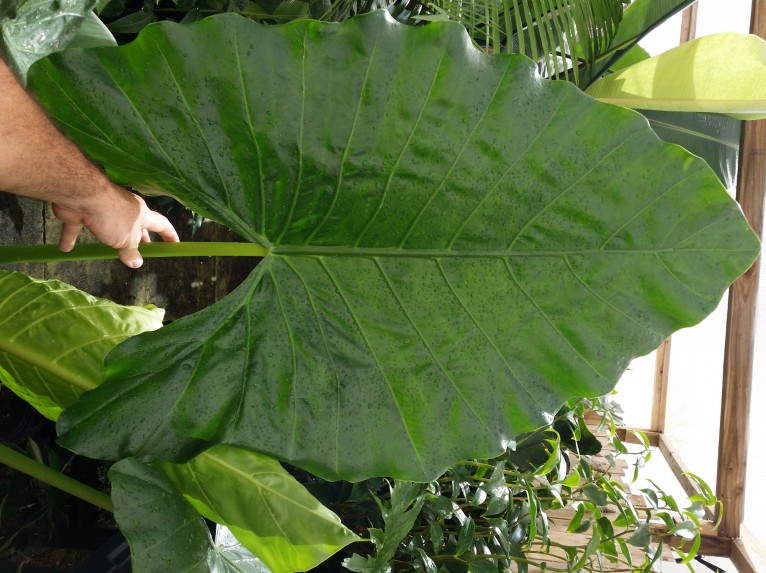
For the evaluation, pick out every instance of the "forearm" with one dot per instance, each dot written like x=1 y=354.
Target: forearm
x=36 y=160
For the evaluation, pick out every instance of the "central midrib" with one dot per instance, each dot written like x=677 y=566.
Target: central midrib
x=368 y=252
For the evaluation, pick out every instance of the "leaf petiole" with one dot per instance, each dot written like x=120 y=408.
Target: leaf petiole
x=52 y=477
x=93 y=251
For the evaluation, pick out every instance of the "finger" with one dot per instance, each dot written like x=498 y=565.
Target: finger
x=68 y=238
x=145 y=238
x=157 y=223
x=130 y=257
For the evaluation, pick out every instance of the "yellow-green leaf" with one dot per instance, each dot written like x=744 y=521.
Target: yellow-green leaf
x=720 y=73
x=53 y=339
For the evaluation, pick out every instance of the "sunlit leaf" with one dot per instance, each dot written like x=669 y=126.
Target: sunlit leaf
x=231 y=555
x=720 y=73
x=564 y=36
x=53 y=339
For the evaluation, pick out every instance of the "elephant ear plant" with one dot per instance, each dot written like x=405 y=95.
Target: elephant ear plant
x=452 y=247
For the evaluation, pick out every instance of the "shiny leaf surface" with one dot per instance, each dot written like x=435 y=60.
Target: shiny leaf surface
x=455 y=245
x=32 y=29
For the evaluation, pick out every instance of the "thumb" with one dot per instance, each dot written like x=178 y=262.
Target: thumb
x=130 y=257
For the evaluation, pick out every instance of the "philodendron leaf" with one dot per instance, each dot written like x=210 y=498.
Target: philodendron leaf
x=53 y=339
x=456 y=246
x=165 y=533
x=269 y=512
x=720 y=73
x=32 y=29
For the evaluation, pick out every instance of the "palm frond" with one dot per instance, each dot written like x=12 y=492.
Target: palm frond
x=564 y=36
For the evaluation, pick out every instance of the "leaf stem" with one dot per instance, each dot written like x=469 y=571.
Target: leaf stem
x=52 y=477
x=92 y=251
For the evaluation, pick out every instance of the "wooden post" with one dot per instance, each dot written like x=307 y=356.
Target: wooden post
x=689 y=23
x=660 y=395
x=740 y=332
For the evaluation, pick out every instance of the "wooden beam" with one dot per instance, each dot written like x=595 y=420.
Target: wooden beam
x=660 y=394
x=711 y=544
x=740 y=332
x=629 y=437
x=673 y=458
x=743 y=559
x=689 y=23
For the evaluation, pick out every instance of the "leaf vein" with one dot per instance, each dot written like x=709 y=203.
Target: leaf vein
x=677 y=278
x=294 y=364
x=326 y=346
x=458 y=157
x=524 y=386
x=407 y=142
x=644 y=208
x=299 y=175
x=151 y=134
x=428 y=345
x=254 y=139
x=506 y=172
x=344 y=157
x=376 y=359
x=202 y=133
x=550 y=323
x=601 y=298
x=571 y=186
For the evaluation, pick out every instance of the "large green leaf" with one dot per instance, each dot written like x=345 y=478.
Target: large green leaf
x=164 y=531
x=455 y=245
x=268 y=511
x=720 y=73
x=53 y=339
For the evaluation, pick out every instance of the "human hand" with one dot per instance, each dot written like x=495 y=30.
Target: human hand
x=118 y=219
